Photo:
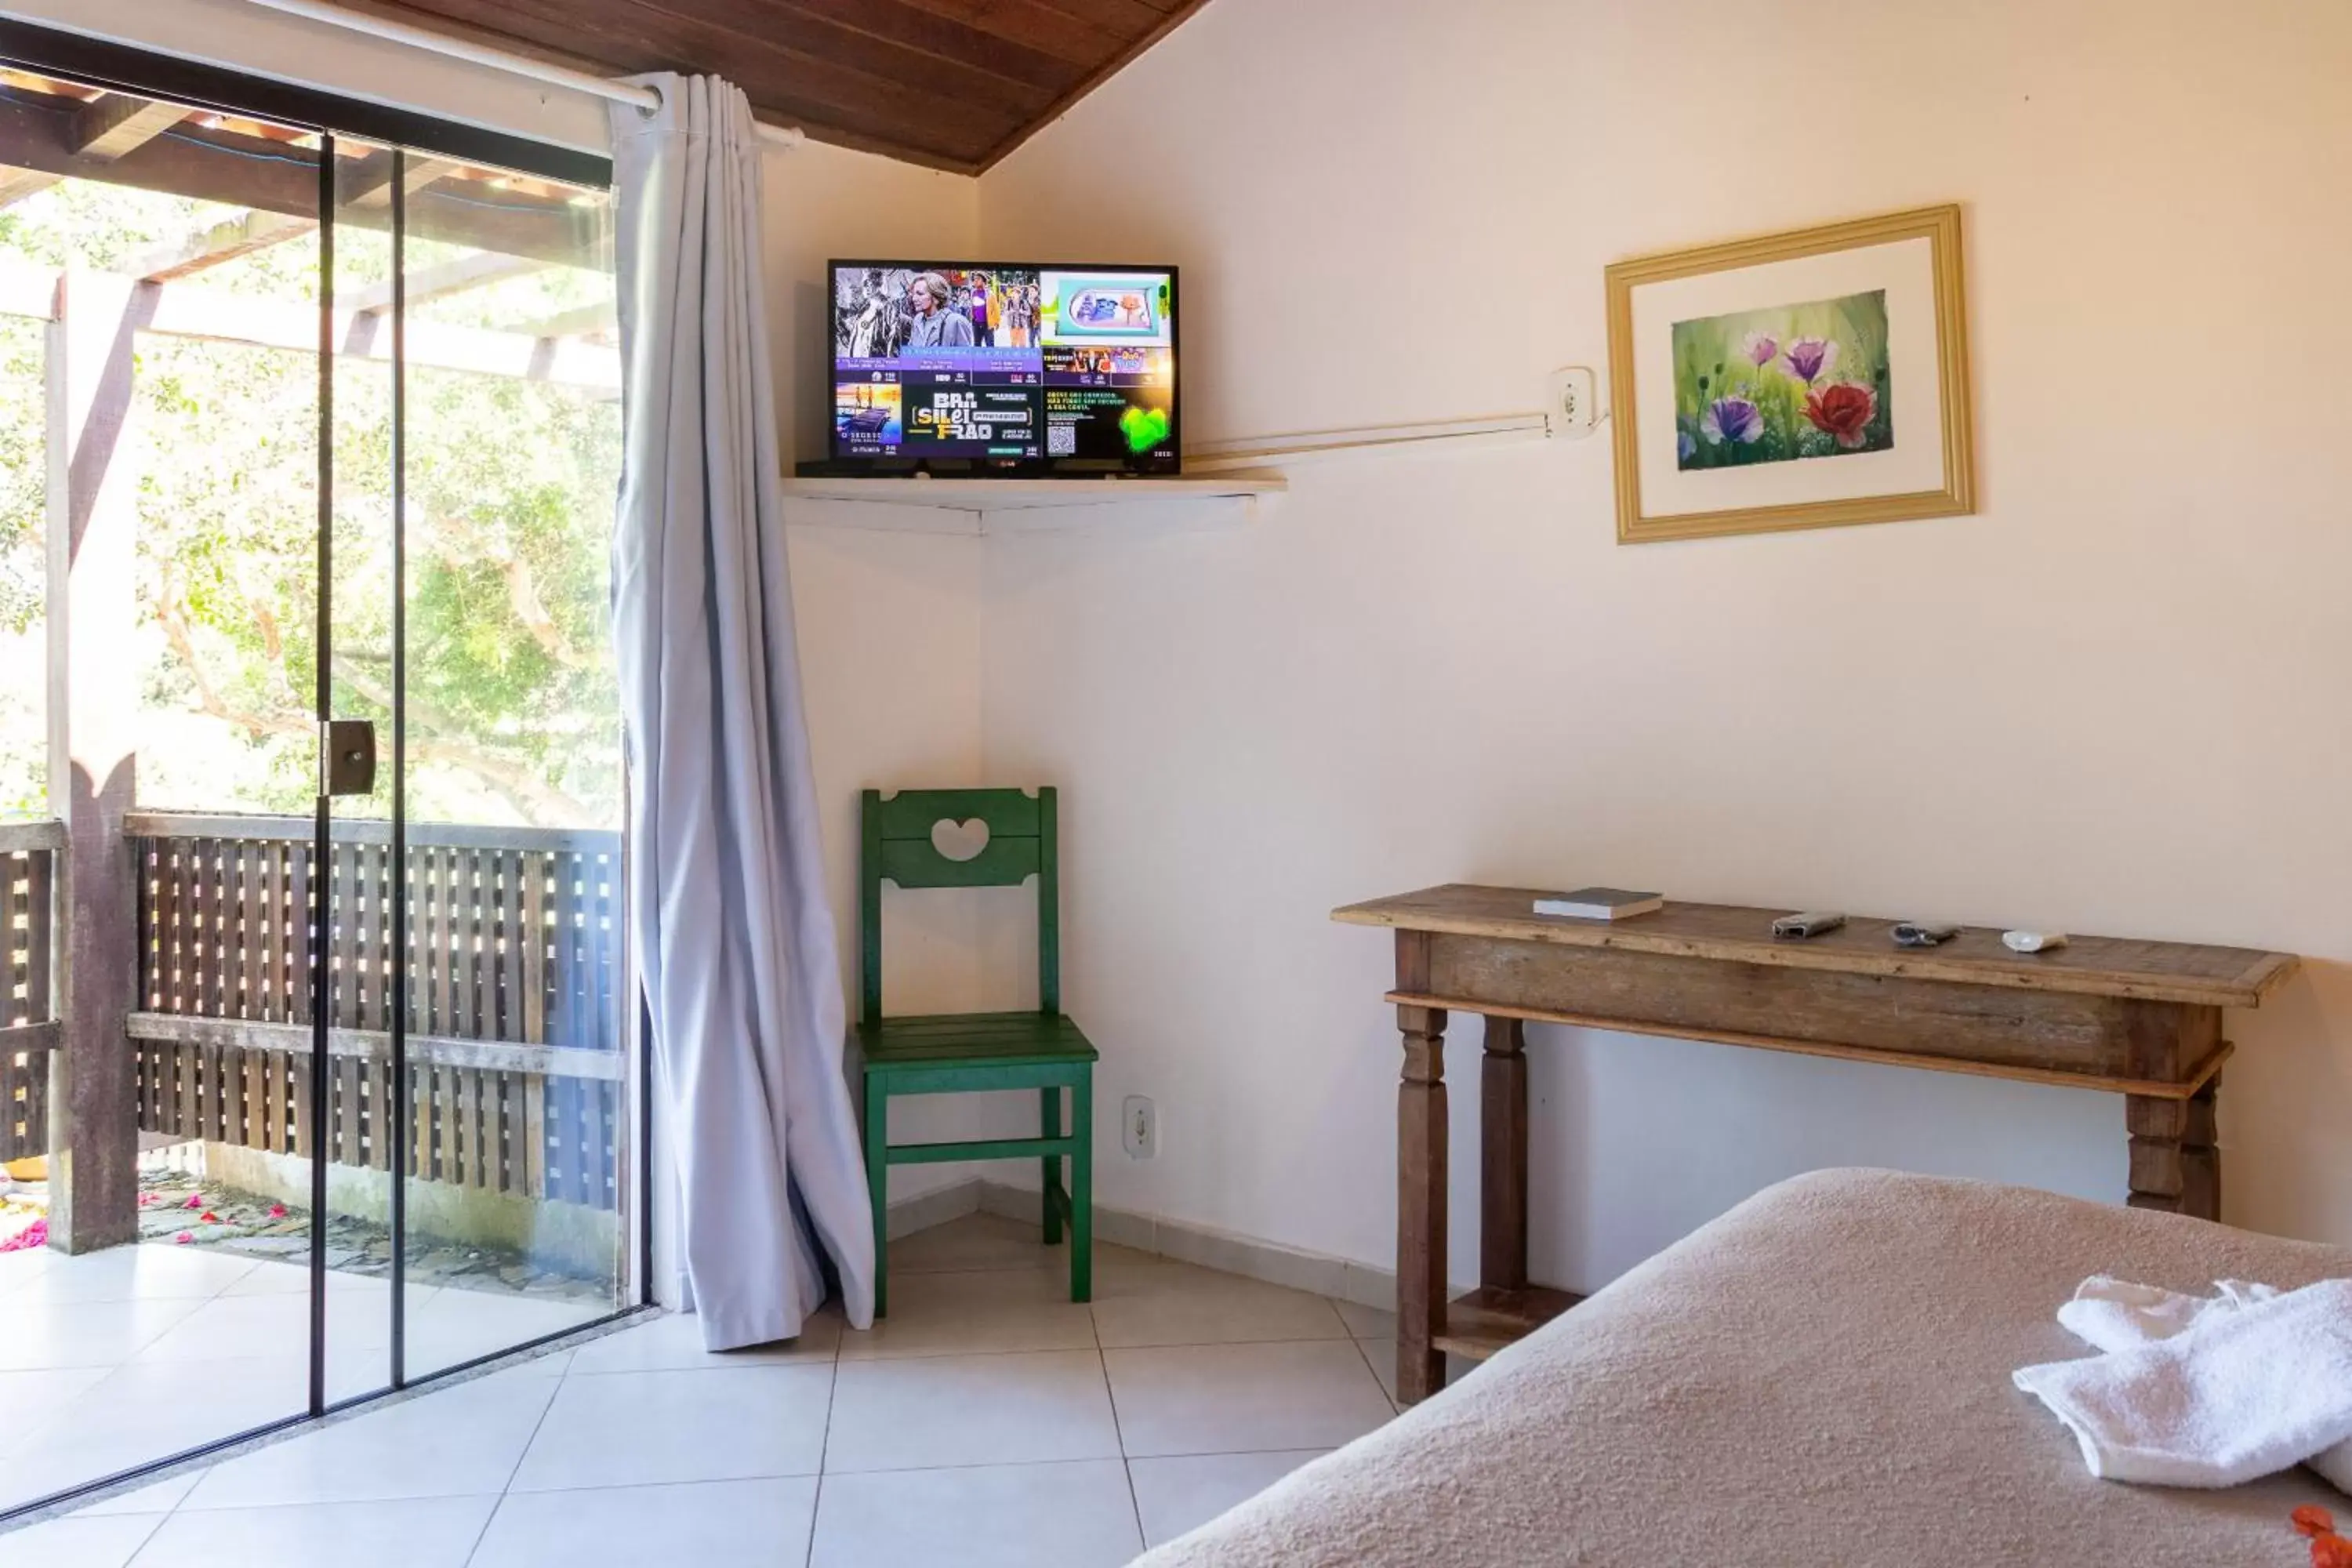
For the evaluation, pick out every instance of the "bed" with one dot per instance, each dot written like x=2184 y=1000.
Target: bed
x=1820 y=1378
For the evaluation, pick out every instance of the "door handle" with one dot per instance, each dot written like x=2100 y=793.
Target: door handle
x=347 y=757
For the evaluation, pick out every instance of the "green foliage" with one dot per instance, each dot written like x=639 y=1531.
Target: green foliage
x=512 y=706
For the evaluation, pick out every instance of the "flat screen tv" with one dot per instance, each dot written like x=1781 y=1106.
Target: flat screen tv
x=1002 y=368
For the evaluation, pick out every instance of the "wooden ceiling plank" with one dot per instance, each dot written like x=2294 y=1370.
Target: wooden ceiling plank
x=1071 y=39
x=1110 y=68
x=778 y=77
x=819 y=60
x=947 y=37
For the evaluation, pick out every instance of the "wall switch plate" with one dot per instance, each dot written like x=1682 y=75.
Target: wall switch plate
x=1139 y=1128
x=1575 y=406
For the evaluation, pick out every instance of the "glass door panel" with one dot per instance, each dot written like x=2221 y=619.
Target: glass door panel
x=520 y=1195
x=159 y=461
x=358 y=1119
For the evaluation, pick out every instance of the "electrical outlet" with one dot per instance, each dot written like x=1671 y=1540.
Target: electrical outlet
x=1575 y=409
x=1138 y=1124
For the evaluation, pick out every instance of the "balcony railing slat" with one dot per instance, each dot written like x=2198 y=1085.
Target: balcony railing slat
x=510 y=962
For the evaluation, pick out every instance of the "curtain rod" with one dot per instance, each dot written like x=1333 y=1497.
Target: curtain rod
x=497 y=59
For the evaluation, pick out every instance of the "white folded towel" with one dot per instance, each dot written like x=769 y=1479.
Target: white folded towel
x=2239 y=1395
x=2116 y=1315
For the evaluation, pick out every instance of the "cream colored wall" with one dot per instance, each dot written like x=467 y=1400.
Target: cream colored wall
x=2114 y=701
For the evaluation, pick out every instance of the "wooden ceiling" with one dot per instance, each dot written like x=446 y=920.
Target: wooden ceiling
x=955 y=84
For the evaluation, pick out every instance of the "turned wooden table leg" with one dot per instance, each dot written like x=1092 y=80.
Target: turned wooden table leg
x=2176 y=1160
x=1421 y=1204
x=1503 y=1157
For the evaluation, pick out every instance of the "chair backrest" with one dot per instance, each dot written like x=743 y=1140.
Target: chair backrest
x=896 y=846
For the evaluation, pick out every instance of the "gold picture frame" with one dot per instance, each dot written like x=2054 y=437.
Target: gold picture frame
x=1779 y=413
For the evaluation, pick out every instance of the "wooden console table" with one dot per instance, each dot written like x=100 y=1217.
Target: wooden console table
x=2142 y=1019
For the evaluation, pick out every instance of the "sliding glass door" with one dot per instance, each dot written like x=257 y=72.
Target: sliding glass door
x=315 y=1082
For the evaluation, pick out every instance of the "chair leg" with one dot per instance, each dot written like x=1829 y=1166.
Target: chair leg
x=1049 y=1100
x=1082 y=1186
x=878 y=1183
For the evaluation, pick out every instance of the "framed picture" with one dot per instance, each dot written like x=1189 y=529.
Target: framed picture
x=1800 y=380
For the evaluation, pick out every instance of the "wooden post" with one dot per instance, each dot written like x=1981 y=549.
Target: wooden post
x=1503 y=1157
x=93 y=743
x=1420 y=1182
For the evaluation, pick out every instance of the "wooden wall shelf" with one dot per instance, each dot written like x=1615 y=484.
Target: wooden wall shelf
x=1005 y=506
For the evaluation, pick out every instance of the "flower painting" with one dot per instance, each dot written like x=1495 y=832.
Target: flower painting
x=1787 y=382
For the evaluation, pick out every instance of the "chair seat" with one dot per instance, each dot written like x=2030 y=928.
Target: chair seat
x=1005 y=1039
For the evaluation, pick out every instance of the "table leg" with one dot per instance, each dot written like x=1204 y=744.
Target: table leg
x=1503 y=1157
x=2176 y=1160
x=1421 y=1204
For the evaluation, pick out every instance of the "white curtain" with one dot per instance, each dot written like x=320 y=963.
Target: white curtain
x=735 y=939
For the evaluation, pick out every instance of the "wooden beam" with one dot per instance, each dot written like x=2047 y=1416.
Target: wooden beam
x=242 y=171
x=578 y=322
x=477 y=271
x=193 y=310
x=107 y=127
x=115 y=123
x=93 y=614
x=368 y=185
x=375 y=1045
x=224 y=241
x=16 y=185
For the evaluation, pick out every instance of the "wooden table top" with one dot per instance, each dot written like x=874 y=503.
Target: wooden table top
x=2188 y=972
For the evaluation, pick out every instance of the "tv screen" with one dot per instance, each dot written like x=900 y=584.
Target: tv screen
x=1003 y=367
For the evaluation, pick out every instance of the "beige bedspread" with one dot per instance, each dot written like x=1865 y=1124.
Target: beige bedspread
x=1820 y=1378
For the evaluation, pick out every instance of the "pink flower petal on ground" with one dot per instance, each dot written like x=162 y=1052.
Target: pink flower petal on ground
x=276 y=1211
x=148 y=1199
x=184 y=1238
x=195 y=1200
x=209 y=1217
x=34 y=1234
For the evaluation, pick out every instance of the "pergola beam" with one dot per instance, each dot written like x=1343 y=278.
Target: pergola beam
x=578 y=322
x=193 y=310
x=106 y=126
x=477 y=271
x=113 y=124
x=38 y=132
x=16 y=185
x=224 y=241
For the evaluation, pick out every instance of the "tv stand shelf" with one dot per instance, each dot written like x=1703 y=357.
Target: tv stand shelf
x=995 y=506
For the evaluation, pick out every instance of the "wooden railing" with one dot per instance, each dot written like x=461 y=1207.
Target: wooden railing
x=29 y=1026
x=511 y=1004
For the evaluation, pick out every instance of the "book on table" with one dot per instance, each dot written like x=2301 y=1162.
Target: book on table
x=1600 y=904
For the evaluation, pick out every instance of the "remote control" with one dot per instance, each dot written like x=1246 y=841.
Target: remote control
x=1924 y=934
x=1807 y=922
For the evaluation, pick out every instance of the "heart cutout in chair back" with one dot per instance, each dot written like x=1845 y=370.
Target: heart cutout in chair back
x=960 y=840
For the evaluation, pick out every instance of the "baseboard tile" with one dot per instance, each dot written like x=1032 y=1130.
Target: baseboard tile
x=1211 y=1249
x=909 y=1216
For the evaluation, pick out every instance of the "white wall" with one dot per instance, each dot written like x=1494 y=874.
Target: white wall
x=2113 y=701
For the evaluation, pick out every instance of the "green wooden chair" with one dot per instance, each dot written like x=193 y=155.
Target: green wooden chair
x=956 y=1053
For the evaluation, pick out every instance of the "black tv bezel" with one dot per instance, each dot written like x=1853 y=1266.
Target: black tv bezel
x=839 y=464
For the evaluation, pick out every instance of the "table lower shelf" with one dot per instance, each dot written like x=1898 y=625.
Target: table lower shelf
x=1488 y=1319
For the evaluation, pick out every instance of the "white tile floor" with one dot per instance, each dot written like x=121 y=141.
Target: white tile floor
x=989 y=1421
x=117 y=1358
